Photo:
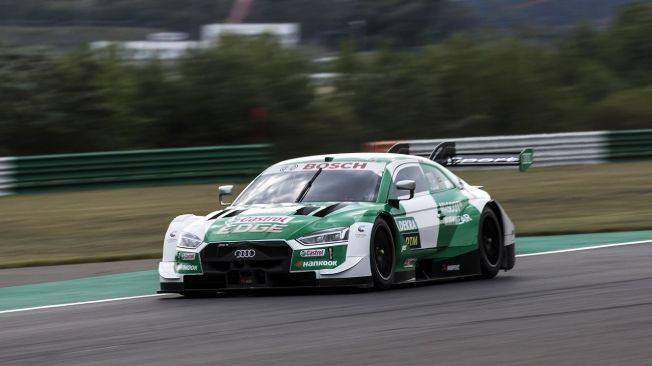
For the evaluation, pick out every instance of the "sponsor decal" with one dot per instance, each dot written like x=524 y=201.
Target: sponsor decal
x=450 y=208
x=187 y=256
x=406 y=224
x=456 y=220
x=260 y=219
x=343 y=165
x=335 y=166
x=173 y=234
x=312 y=253
x=526 y=158
x=250 y=228
x=244 y=253
x=318 y=258
x=412 y=240
x=289 y=168
x=458 y=160
x=255 y=224
x=410 y=262
x=187 y=267
x=314 y=264
x=361 y=232
x=450 y=267
x=187 y=263
x=465 y=218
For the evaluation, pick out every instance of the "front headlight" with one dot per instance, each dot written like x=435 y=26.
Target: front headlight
x=326 y=236
x=188 y=240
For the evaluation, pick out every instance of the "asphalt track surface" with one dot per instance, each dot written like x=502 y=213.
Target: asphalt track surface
x=578 y=308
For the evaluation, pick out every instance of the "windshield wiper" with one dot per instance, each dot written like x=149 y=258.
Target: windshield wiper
x=305 y=189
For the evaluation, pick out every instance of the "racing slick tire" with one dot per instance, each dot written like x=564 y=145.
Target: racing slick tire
x=490 y=243
x=381 y=253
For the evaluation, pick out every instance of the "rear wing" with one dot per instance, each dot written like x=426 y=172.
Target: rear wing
x=447 y=155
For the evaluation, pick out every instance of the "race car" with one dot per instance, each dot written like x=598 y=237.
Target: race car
x=360 y=219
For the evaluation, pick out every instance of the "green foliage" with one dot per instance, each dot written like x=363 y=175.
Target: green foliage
x=80 y=102
x=628 y=46
x=250 y=90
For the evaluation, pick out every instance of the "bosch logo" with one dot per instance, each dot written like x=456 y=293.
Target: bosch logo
x=245 y=253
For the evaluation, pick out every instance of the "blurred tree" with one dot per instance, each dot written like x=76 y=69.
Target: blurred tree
x=628 y=43
x=625 y=109
x=244 y=90
x=81 y=102
x=27 y=106
x=409 y=23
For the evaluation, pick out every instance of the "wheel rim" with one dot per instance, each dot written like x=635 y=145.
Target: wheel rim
x=383 y=254
x=491 y=242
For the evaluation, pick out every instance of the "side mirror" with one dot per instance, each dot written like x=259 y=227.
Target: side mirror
x=223 y=192
x=407 y=185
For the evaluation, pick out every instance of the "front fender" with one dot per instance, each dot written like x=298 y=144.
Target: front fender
x=172 y=233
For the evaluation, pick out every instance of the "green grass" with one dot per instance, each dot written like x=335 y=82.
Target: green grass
x=92 y=226
x=118 y=224
x=573 y=199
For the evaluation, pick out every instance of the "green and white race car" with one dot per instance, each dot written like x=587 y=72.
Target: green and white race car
x=362 y=219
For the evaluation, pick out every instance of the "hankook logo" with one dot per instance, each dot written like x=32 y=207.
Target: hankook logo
x=245 y=253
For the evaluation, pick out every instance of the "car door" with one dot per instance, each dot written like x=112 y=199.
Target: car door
x=451 y=208
x=419 y=226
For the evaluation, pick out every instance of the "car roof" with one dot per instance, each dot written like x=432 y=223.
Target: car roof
x=367 y=157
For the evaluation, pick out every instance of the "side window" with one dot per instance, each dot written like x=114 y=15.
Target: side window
x=409 y=172
x=436 y=179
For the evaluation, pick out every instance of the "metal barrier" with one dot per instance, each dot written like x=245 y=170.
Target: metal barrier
x=131 y=168
x=549 y=149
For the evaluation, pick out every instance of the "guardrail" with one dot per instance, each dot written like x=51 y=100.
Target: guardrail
x=549 y=149
x=131 y=168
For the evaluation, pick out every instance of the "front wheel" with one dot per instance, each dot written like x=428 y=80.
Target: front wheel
x=490 y=242
x=381 y=253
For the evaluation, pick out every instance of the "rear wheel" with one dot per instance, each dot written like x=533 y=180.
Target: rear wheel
x=490 y=242
x=381 y=253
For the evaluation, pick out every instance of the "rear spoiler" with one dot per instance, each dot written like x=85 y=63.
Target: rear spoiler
x=447 y=155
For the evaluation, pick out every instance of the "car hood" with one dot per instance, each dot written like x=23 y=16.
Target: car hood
x=284 y=221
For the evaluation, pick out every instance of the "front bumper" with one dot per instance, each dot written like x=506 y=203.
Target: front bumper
x=275 y=264
x=203 y=283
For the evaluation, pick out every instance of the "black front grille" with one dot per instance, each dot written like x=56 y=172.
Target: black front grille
x=270 y=256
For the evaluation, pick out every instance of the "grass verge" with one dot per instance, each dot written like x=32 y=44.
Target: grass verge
x=118 y=224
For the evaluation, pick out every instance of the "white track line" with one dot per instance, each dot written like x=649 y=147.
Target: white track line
x=587 y=248
x=156 y=295
x=79 y=303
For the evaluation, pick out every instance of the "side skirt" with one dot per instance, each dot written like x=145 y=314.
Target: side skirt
x=464 y=265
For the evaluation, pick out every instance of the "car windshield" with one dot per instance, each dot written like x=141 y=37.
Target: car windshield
x=327 y=186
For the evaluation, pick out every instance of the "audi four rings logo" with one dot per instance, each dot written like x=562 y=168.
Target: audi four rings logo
x=245 y=253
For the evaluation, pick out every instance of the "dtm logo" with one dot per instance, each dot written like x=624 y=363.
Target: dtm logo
x=244 y=253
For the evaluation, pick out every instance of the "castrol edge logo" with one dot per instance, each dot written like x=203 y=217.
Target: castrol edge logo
x=255 y=224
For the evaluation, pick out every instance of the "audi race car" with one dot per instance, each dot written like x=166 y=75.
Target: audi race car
x=362 y=219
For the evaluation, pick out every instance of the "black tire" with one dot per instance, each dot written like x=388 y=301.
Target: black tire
x=490 y=243
x=381 y=253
